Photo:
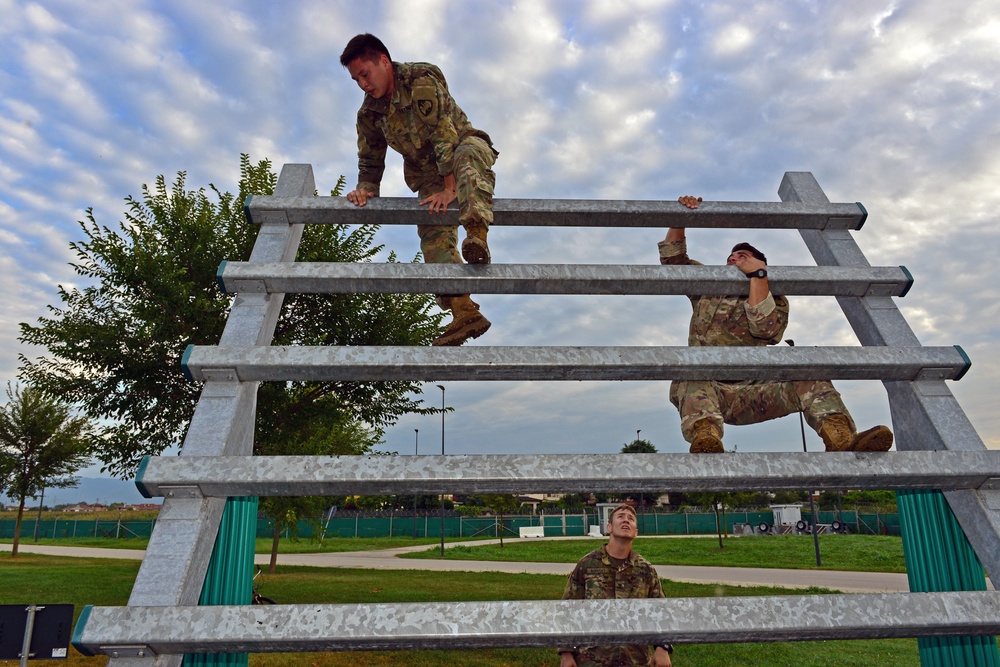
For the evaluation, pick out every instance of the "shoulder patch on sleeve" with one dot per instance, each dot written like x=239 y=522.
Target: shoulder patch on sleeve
x=425 y=101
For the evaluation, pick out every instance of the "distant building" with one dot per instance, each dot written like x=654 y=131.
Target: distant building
x=84 y=507
x=142 y=507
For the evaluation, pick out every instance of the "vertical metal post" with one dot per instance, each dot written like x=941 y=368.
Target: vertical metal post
x=416 y=451
x=642 y=497
x=38 y=517
x=441 y=387
x=812 y=503
x=29 y=627
x=180 y=551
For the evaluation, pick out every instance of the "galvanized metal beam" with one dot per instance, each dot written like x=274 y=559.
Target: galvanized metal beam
x=469 y=625
x=562 y=473
x=363 y=278
x=431 y=364
x=566 y=213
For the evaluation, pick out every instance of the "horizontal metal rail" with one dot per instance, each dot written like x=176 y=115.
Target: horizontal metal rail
x=363 y=278
x=565 y=213
x=124 y=631
x=433 y=364
x=224 y=476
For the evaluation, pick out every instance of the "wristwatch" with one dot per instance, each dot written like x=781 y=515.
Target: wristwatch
x=669 y=648
x=759 y=273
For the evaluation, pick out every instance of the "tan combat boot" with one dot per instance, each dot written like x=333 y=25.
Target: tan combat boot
x=838 y=436
x=837 y=433
x=876 y=439
x=705 y=438
x=474 y=248
x=467 y=322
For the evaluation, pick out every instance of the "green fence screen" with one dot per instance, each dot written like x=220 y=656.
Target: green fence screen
x=650 y=523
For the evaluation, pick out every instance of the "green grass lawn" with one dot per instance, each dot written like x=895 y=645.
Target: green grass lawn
x=864 y=553
x=81 y=581
x=263 y=545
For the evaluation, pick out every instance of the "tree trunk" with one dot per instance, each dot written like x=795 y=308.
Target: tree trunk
x=718 y=527
x=17 y=528
x=274 y=548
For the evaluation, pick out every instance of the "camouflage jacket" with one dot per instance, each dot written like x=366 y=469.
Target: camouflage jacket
x=729 y=320
x=596 y=577
x=421 y=122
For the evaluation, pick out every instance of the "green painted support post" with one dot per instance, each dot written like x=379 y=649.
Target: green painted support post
x=229 y=579
x=940 y=558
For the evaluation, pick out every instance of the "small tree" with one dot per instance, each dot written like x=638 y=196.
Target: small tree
x=716 y=501
x=41 y=445
x=501 y=504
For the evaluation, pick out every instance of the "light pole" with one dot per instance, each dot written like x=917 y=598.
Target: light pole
x=441 y=387
x=38 y=519
x=812 y=502
x=416 y=450
x=641 y=498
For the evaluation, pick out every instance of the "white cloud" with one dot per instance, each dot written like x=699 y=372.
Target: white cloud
x=40 y=19
x=893 y=104
x=56 y=70
x=733 y=40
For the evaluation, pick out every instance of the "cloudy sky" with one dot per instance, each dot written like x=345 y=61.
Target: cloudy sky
x=890 y=103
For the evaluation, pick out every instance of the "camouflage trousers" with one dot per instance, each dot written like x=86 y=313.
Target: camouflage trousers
x=754 y=401
x=474 y=182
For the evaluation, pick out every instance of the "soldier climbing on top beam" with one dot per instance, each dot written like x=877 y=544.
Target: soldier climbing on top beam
x=407 y=106
x=757 y=319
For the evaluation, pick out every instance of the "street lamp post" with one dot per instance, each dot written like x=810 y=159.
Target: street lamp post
x=812 y=502
x=38 y=519
x=641 y=496
x=416 y=450
x=441 y=387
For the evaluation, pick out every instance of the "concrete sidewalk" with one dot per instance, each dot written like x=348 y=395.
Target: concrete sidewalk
x=387 y=559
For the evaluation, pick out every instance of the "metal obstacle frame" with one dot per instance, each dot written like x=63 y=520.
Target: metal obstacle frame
x=162 y=620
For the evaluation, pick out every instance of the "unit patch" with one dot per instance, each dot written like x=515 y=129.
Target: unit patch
x=426 y=103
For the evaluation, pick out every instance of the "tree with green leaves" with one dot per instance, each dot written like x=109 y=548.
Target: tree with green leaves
x=115 y=345
x=41 y=445
x=638 y=446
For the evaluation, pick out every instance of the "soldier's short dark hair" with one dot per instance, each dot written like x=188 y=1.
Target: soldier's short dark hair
x=627 y=508
x=366 y=46
x=750 y=249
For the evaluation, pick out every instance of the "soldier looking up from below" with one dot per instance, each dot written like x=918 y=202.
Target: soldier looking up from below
x=614 y=571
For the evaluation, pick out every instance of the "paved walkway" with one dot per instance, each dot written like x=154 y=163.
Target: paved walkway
x=387 y=559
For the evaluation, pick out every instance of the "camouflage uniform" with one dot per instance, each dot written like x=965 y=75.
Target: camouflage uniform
x=423 y=123
x=595 y=577
x=730 y=320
